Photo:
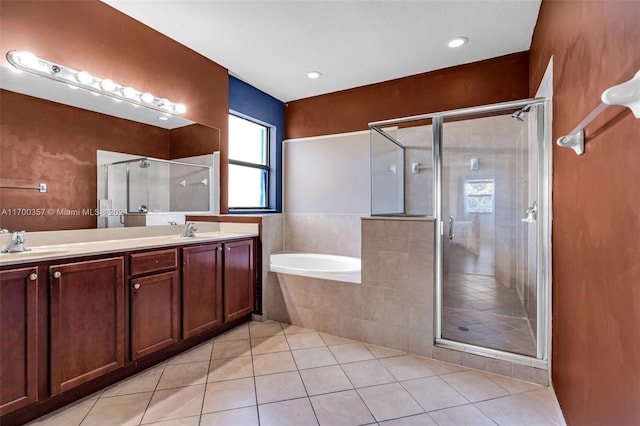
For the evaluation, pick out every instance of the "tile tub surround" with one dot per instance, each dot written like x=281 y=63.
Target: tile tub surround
x=308 y=378
x=337 y=234
x=392 y=307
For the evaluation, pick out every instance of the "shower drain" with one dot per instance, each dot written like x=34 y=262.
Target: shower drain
x=463 y=328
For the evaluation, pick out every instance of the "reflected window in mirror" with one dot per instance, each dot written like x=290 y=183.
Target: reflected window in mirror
x=249 y=171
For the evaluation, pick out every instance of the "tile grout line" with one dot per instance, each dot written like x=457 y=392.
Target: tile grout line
x=255 y=386
x=356 y=389
x=304 y=386
x=206 y=384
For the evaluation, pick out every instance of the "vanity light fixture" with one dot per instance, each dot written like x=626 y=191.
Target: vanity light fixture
x=458 y=42
x=28 y=62
x=314 y=74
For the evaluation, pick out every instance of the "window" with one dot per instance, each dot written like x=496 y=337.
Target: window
x=479 y=196
x=248 y=164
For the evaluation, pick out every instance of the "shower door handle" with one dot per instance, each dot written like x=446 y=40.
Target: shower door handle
x=451 y=220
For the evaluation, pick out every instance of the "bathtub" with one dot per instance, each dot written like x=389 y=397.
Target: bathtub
x=323 y=266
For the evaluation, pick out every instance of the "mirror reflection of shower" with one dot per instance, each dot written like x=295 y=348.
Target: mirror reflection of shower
x=151 y=186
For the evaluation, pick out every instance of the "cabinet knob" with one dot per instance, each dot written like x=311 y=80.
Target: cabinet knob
x=33 y=277
x=228 y=248
x=157 y=261
x=136 y=286
x=57 y=274
x=219 y=248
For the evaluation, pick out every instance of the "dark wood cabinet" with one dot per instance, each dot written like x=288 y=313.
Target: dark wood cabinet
x=18 y=338
x=78 y=322
x=87 y=331
x=239 y=279
x=155 y=307
x=201 y=288
x=153 y=261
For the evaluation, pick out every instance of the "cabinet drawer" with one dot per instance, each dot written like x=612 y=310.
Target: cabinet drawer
x=152 y=261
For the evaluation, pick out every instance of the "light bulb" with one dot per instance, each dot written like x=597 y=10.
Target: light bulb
x=180 y=108
x=108 y=85
x=147 y=97
x=27 y=59
x=130 y=92
x=314 y=74
x=84 y=77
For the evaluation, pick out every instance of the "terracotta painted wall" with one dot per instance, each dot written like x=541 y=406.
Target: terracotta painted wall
x=92 y=36
x=196 y=139
x=485 y=82
x=596 y=219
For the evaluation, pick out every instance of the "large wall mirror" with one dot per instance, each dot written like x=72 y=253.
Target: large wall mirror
x=63 y=137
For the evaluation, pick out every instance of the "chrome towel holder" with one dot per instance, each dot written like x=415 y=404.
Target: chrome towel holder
x=625 y=94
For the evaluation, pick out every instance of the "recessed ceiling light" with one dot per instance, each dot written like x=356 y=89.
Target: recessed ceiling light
x=314 y=74
x=457 y=42
x=163 y=118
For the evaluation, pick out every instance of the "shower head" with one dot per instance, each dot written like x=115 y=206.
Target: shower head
x=519 y=115
x=144 y=163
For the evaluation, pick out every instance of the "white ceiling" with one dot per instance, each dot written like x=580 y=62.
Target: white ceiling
x=272 y=44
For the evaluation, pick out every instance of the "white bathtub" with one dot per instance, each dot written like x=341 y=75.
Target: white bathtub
x=324 y=266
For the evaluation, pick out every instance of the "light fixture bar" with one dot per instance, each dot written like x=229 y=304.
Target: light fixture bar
x=25 y=61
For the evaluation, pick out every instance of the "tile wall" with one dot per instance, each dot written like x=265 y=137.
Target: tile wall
x=392 y=307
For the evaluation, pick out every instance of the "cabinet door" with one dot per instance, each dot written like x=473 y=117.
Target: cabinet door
x=201 y=289
x=155 y=303
x=87 y=321
x=239 y=279
x=18 y=338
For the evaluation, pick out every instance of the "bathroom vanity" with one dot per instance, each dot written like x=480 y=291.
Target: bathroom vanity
x=76 y=317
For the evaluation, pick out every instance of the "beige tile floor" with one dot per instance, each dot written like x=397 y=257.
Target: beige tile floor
x=274 y=374
x=478 y=310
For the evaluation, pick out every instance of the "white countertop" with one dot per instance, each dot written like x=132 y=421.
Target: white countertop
x=64 y=249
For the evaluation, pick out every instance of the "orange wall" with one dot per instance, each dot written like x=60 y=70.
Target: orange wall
x=479 y=83
x=196 y=139
x=596 y=204
x=92 y=36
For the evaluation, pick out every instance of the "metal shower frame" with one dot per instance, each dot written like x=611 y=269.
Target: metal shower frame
x=543 y=267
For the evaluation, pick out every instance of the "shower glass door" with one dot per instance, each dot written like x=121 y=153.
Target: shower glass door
x=489 y=245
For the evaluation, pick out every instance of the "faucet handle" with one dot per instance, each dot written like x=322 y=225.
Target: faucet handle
x=4 y=231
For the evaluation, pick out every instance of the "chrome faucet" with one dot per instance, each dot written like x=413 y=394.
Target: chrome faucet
x=191 y=230
x=16 y=245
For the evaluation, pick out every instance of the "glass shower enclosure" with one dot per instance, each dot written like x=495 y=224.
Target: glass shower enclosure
x=481 y=175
